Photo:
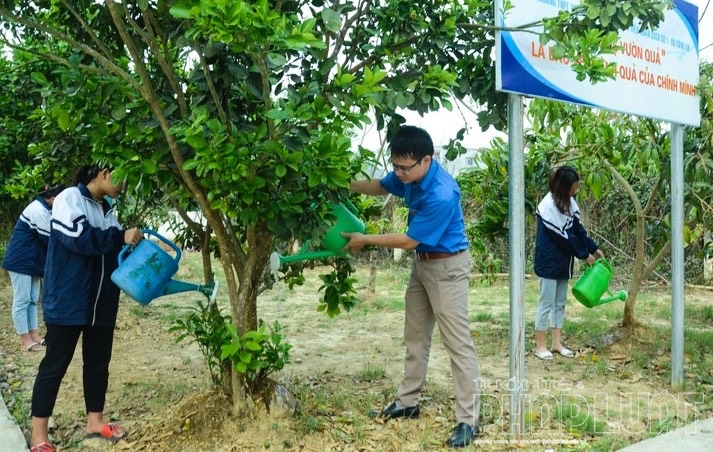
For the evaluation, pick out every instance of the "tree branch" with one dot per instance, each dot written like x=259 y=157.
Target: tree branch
x=88 y=29
x=629 y=190
x=361 y=8
x=663 y=252
x=267 y=100
x=149 y=37
x=652 y=198
x=59 y=60
x=104 y=61
x=211 y=87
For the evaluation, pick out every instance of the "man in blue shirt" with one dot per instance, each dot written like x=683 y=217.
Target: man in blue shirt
x=438 y=289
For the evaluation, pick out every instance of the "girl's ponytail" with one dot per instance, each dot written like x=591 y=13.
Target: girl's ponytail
x=86 y=173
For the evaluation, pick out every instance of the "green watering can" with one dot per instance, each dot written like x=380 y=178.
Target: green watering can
x=331 y=242
x=590 y=287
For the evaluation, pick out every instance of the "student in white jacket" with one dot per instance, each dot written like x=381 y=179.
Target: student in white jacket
x=24 y=260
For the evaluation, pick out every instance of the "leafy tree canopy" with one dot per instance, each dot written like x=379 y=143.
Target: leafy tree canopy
x=246 y=108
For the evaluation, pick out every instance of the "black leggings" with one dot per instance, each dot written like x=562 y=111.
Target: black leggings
x=61 y=342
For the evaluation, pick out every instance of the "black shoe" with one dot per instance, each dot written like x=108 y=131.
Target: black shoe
x=393 y=411
x=463 y=435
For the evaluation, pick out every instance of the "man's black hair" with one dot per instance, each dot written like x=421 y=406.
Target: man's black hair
x=411 y=141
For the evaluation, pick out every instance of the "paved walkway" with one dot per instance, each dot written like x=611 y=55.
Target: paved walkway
x=11 y=438
x=695 y=437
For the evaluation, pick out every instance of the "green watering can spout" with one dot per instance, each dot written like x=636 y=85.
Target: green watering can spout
x=621 y=295
x=594 y=283
x=332 y=242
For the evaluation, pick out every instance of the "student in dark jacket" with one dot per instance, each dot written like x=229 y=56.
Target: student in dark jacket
x=79 y=299
x=25 y=262
x=560 y=239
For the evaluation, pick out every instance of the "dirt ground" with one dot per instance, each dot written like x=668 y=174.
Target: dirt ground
x=161 y=390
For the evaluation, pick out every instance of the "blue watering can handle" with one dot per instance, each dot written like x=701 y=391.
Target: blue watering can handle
x=127 y=248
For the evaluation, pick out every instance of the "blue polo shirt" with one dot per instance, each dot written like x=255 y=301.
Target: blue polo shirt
x=435 y=216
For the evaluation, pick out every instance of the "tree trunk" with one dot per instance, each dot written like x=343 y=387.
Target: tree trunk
x=630 y=304
x=637 y=272
x=206 y=256
x=373 y=272
x=242 y=403
x=243 y=274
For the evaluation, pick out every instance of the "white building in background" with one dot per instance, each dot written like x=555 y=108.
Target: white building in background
x=454 y=168
x=166 y=229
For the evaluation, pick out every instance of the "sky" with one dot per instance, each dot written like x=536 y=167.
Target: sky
x=705 y=28
x=444 y=125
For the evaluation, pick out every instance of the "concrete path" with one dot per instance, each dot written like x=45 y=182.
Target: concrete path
x=11 y=438
x=695 y=437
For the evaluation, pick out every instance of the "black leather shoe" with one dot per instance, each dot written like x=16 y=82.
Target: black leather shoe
x=463 y=435
x=393 y=411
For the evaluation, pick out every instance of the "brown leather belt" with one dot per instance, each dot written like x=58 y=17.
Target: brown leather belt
x=435 y=255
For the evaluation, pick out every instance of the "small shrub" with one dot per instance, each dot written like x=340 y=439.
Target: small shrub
x=207 y=326
x=256 y=354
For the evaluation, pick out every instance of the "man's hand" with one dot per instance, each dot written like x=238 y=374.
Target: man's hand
x=357 y=241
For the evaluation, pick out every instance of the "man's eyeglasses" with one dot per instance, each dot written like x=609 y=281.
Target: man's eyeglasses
x=406 y=168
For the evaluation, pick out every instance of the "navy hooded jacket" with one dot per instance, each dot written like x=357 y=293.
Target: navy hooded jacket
x=560 y=238
x=82 y=253
x=27 y=251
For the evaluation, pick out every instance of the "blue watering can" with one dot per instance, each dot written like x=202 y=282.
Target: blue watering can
x=145 y=272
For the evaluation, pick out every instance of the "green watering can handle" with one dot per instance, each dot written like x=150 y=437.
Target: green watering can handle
x=605 y=263
x=348 y=204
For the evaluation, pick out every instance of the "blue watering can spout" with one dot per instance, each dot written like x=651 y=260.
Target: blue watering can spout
x=174 y=286
x=145 y=272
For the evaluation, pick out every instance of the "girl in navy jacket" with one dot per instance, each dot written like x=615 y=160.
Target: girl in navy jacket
x=79 y=299
x=25 y=262
x=560 y=239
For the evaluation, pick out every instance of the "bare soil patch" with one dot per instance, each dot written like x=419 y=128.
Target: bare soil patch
x=342 y=368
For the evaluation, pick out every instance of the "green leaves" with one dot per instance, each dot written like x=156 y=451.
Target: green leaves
x=332 y=20
x=590 y=30
x=208 y=328
x=248 y=27
x=257 y=354
x=62 y=119
x=247 y=109
x=338 y=289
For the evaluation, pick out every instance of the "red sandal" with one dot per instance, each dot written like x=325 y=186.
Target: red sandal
x=113 y=432
x=43 y=447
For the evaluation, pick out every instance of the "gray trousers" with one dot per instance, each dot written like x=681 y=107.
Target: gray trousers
x=550 y=307
x=437 y=292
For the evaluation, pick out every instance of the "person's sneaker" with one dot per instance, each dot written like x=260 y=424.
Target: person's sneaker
x=395 y=410
x=463 y=435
